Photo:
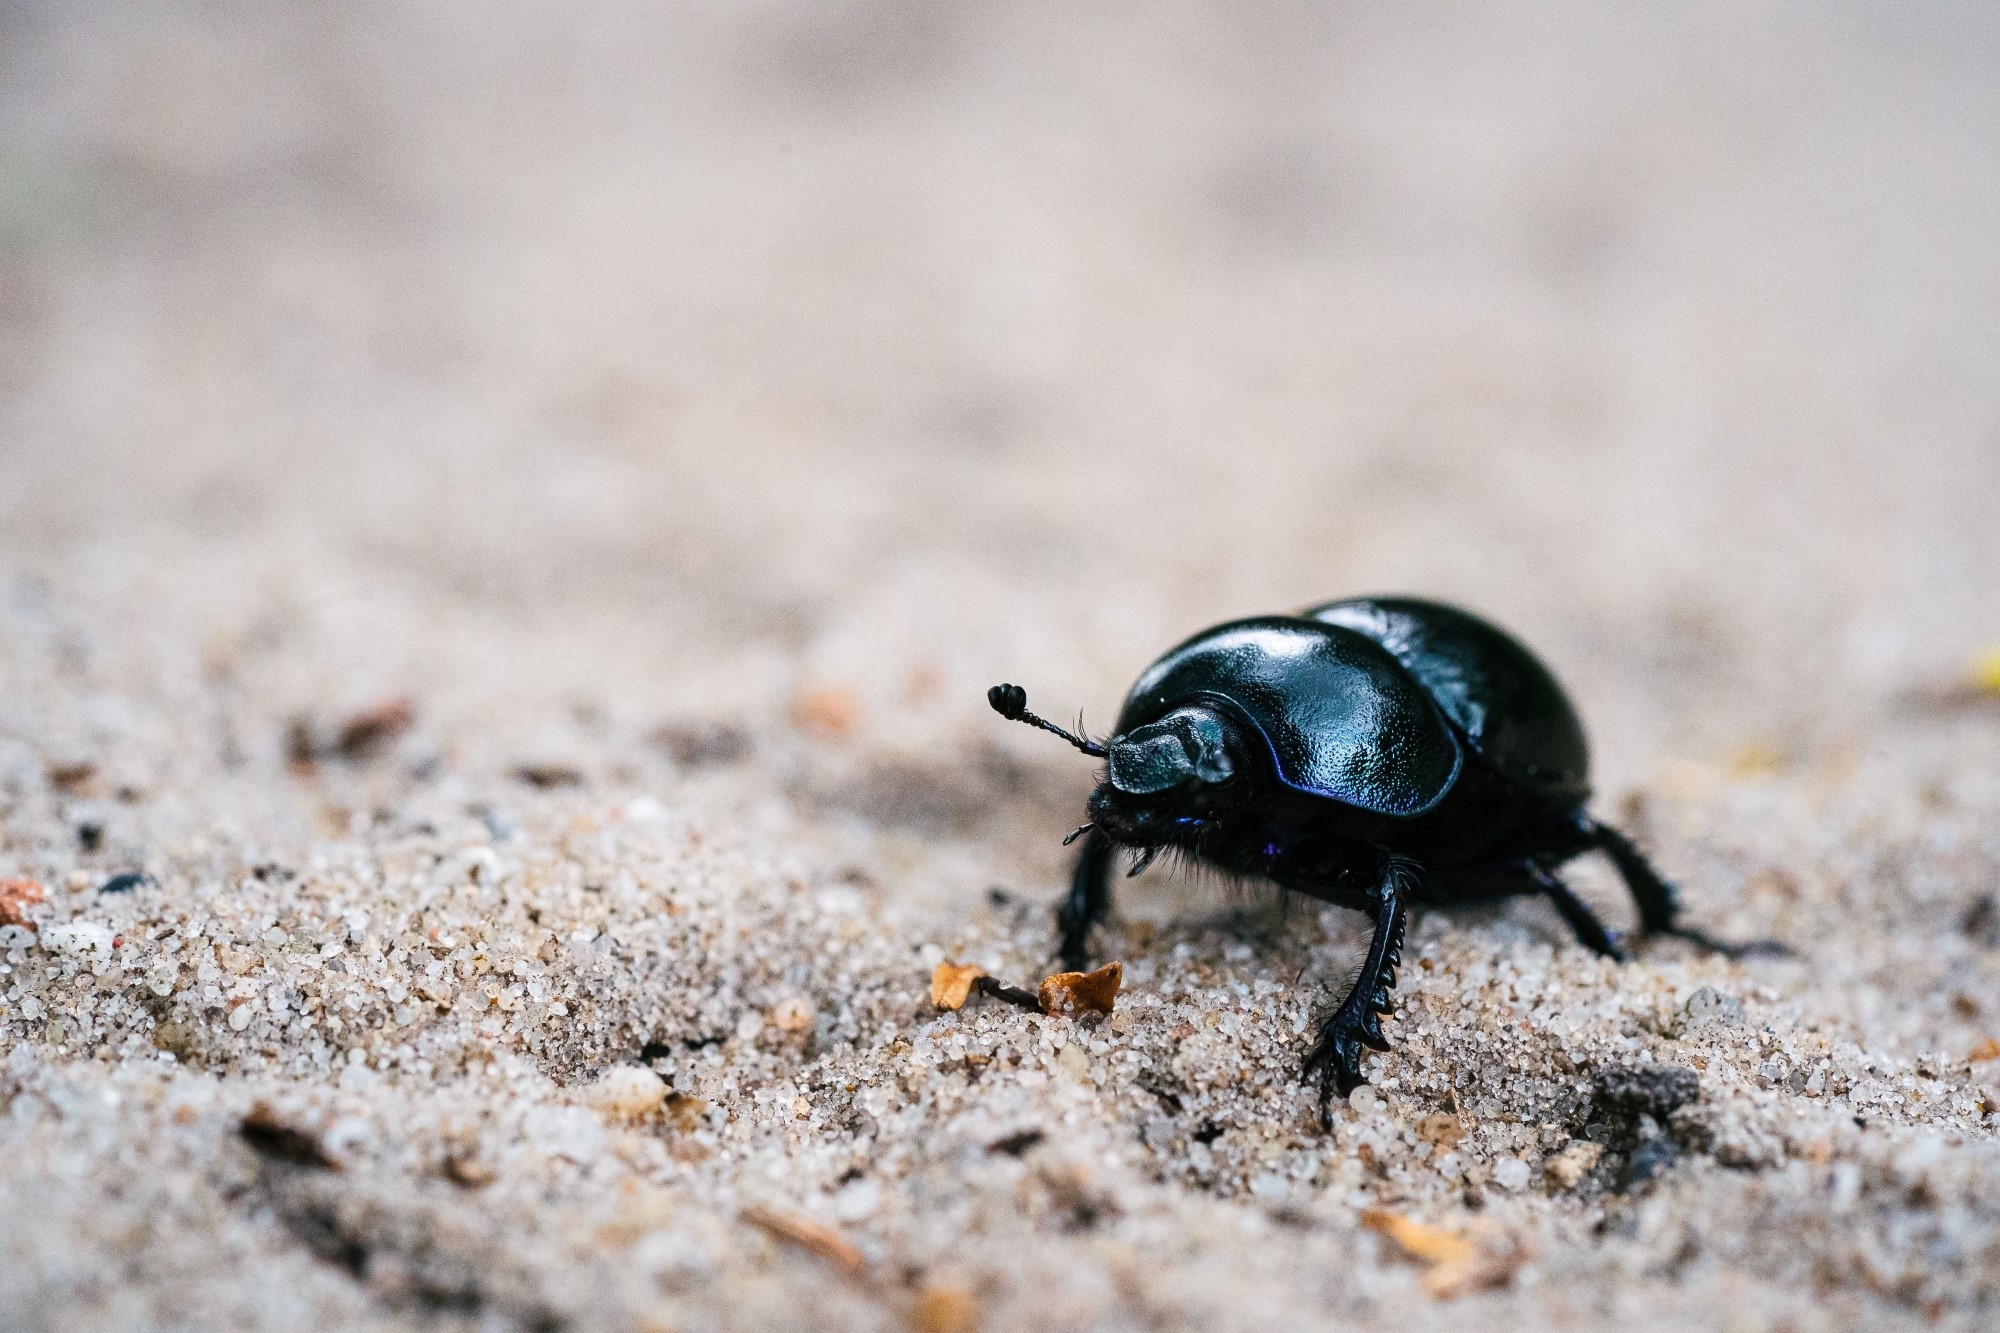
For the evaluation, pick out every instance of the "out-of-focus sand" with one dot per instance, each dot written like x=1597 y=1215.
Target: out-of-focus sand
x=781 y=375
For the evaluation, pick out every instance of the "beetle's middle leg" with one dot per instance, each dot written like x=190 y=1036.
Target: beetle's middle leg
x=1089 y=899
x=1336 y=1056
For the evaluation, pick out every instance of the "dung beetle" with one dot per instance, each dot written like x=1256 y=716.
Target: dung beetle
x=1377 y=753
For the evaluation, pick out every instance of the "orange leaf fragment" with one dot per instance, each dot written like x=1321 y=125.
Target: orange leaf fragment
x=1456 y=1265
x=1986 y=1049
x=16 y=897
x=828 y=711
x=945 y=1309
x=1069 y=993
x=810 y=1236
x=951 y=983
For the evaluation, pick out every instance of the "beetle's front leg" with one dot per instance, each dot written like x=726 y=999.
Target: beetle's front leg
x=1089 y=899
x=1336 y=1056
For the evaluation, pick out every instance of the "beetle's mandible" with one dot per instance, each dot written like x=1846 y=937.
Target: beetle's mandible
x=1376 y=753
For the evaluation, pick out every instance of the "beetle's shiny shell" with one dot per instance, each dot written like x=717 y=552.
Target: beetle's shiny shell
x=1343 y=718
x=1499 y=696
x=1373 y=701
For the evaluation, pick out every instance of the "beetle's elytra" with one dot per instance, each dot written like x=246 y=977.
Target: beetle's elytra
x=1376 y=753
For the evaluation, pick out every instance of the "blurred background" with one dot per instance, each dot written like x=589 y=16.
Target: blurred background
x=626 y=440
x=830 y=360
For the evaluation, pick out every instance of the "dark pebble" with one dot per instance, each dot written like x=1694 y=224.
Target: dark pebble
x=1649 y=1159
x=1654 y=1090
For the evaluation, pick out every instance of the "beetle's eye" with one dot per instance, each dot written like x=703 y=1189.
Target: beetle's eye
x=1211 y=749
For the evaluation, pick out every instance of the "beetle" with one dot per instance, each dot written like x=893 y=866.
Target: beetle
x=1377 y=753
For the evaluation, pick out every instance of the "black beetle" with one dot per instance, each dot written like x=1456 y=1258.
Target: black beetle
x=1376 y=753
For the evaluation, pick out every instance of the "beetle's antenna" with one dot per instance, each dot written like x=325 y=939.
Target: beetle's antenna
x=1078 y=833
x=1011 y=702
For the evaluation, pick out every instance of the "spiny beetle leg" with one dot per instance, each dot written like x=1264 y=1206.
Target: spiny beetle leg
x=1336 y=1056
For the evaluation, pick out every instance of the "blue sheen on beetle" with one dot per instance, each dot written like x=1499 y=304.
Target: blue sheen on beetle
x=1377 y=753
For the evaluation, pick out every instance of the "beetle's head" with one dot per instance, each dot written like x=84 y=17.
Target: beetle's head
x=1164 y=781
x=1168 y=778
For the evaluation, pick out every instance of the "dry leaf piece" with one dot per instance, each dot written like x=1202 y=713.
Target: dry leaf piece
x=828 y=712
x=467 y=1172
x=808 y=1235
x=945 y=1308
x=1441 y=1129
x=1456 y=1265
x=951 y=983
x=1070 y=993
x=368 y=730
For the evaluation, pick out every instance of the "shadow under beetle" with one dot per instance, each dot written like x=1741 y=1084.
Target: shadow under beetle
x=1376 y=753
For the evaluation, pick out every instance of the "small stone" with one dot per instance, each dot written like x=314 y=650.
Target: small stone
x=1365 y=1100
x=78 y=938
x=1567 y=1168
x=1654 y=1090
x=1073 y=1060
x=1709 y=1006
x=1510 y=1173
x=1648 y=1160
x=792 y=1014
x=630 y=1091
x=16 y=897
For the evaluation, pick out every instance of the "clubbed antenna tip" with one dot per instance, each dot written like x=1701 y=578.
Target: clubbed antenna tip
x=1011 y=702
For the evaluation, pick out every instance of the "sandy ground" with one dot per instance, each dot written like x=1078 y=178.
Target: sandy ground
x=687 y=411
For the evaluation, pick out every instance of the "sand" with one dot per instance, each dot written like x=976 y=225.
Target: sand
x=506 y=521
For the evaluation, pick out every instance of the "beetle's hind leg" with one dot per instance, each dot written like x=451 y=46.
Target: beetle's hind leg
x=1658 y=903
x=1089 y=899
x=1590 y=932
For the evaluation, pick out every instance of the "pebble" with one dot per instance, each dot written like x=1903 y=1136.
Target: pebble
x=630 y=1091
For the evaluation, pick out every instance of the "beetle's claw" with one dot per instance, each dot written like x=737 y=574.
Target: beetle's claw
x=1336 y=1059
